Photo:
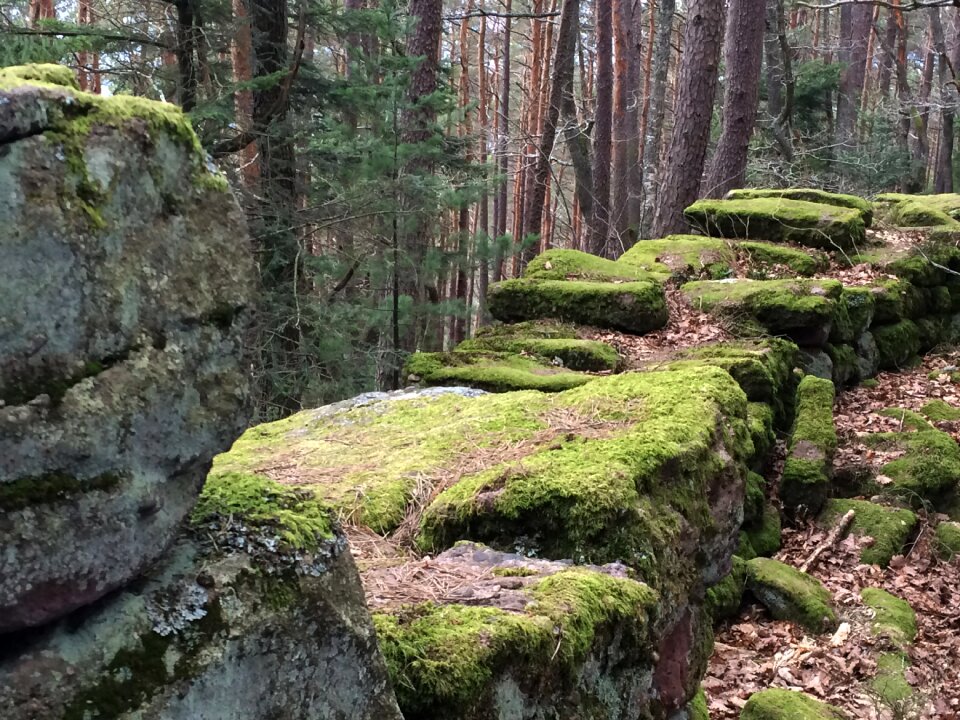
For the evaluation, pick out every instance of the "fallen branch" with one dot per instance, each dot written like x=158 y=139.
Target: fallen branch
x=835 y=534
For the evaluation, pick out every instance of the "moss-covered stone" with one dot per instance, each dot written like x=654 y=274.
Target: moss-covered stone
x=629 y=494
x=495 y=372
x=947 y=535
x=928 y=467
x=755 y=497
x=764 y=257
x=803 y=310
x=39 y=73
x=634 y=307
x=761 y=421
x=940 y=411
x=447 y=661
x=814 y=195
x=764 y=533
x=698 y=709
x=889 y=527
x=529 y=330
x=896 y=344
x=922 y=210
x=558 y=264
x=846 y=368
x=890 y=683
x=791 y=595
x=724 y=599
x=893 y=619
x=575 y=354
x=777 y=704
x=780 y=220
x=860 y=304
x=806 y=474
x=685 y=256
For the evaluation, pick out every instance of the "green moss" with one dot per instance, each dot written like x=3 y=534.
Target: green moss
x=800 y=309
x=925 y=211
x=683 y=256
x=897 y=344
x=791 y=595
x=764 y=533
x=755 y=497
x=889 y=527
x=780 y=220
x=761 y=419
x=893 y=618
x=495 y=372
x=890 y=683
x=869 y=383
x=52 y=488
x=744 y=548
x=814 y=415
x=845 y=366
x=635 y=307
x=697 y=708
x=809 y=195
x=296 y=516
x=533 y=329
x=585 y=355
x=629 y=495
x=41 y=74
x=513 y=572
x=927 y=469
x=940 y=411
x=559 y=264
x=724 y=599
x=947 y=535
x=776 y=704
x=764 y=256
x=907 y=418
x=449 y=656
x=860 y=304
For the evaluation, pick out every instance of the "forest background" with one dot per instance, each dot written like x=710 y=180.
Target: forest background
x=396 y=158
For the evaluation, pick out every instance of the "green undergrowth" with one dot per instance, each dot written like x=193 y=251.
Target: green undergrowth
x=890 y=683
x=940 y=411
x=889 y=527
x=443 y=657
x=947 y=536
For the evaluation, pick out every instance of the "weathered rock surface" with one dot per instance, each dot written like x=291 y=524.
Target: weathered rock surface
x=256 y=612
x=122 y=276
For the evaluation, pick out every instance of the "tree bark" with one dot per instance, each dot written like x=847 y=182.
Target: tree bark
x=602 y=131
x=653 y=129
x=562 y=78
x=627 y=175
x=503 y=145
x=696 y=90
x=943 y=168
x=771 y=47
x=743 y=56
x=855 y=24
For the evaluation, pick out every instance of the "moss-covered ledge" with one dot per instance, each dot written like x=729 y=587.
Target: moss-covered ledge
x=574 y=354
x=805 y=484
x=809 y=195
x=502 y=371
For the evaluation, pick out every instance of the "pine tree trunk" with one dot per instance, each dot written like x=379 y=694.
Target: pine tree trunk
x=602 y=131
x=743 y=56
x=627 y=175
x=855 y=24
x=771 y=48
x=943 y=168
x=483 y=211
x=562 y=78
x=503 y=145
x=696 y=90
x=652 y=137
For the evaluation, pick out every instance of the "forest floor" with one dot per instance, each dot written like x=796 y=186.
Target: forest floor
x=754 y=651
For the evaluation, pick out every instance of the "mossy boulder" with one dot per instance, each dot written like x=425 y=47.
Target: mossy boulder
x=777 y=704
x=922 y=210
x=125 y=272
x=893 y=619
x=815 y=225
x=763 y=533
x=684 y=256
x=802 y=310
x=868 y=355
x=698 y=709
x=725 y=598
x=791 y=595
x=493 y=371
x=809 y=195
x=889 y=527
x=805 y=483
x=573 y=354
x=940 y=411
x=846 y=367
x=634 y=307
x=552 y=639
x=816 y=362
x=760 y=417
x=258 y=591
x=896 y=344
x=529 y=330
x=558 y=264
x=860 y=304
x=928 y=467
x=639 y=492
x=947 y=535
x=754 y=498
x=763 y=258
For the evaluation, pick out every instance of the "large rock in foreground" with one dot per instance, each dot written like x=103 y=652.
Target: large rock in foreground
x=256 y=612
x=122 y=274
